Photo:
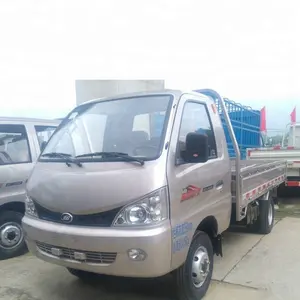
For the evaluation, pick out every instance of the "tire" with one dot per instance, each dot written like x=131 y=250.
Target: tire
x=187 y=286
x=12 y=242
x=265 y=221
x=83 y=275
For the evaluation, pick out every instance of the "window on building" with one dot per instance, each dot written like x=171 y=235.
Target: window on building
x=141 y=123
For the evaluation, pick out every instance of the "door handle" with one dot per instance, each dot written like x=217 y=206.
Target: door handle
x=219 y=185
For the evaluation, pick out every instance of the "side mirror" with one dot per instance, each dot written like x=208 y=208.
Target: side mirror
x=196 y=148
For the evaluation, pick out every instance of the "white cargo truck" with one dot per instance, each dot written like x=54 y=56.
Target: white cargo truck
x=288 y=151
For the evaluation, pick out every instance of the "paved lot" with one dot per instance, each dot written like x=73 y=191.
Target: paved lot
x=254 y=267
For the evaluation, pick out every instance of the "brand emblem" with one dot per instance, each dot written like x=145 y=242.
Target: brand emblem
x=66 y=217
x=190 y=192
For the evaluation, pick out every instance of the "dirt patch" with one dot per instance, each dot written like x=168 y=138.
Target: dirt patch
x=9 y=293
x=288 y=207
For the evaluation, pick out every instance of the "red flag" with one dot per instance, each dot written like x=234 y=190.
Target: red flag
x=263 y=120
x=293 y=116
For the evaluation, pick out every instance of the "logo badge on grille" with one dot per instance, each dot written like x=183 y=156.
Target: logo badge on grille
x=66 y=217
x=56 y=251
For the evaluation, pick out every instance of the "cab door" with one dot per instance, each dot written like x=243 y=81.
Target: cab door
x=16 y=161
x=197 y=190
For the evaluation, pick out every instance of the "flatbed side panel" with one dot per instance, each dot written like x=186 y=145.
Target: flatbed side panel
x=248 y=167
x=257 y=177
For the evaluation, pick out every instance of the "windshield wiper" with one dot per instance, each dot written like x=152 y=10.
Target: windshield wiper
x=125 y=156
x=56 y=154
x=68 y=158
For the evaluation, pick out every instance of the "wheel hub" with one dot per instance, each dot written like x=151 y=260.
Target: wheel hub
x=200 y=267
x=270 y=215
x=10 y=235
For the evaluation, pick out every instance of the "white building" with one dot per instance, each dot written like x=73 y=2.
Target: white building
x=91 y=89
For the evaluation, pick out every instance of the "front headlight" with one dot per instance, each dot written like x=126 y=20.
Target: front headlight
x=150 y=210
x=30 y=207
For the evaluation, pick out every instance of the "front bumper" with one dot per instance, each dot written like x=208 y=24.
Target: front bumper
x=100 y=250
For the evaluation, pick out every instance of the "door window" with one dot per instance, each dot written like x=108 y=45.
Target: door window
x=43 y=134
x=14 y=146
x=195 y=118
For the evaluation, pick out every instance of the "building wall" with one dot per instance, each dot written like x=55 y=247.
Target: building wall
x=91 y=89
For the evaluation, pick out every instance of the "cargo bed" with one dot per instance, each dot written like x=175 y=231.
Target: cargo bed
x=257 y=177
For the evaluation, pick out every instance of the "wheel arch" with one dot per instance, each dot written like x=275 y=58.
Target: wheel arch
x=209 y=225
x=13 y=206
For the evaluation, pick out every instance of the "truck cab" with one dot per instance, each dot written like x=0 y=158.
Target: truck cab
x=291 y=137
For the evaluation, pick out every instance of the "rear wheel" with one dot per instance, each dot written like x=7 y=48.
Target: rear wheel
x=193 y=278
x=266 y=218
x=12 y=242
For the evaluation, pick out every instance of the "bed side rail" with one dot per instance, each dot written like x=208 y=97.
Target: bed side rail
x=255 y=183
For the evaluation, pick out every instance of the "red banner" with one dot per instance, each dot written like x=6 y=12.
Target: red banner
x=263 y=120
x=293 y=116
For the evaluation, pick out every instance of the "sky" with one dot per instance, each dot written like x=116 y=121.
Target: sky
x=246 y=50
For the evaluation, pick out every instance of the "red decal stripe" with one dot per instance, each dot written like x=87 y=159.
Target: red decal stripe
x=261 y=189
x=293 y=183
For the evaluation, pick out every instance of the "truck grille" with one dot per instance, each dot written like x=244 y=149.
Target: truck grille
x=102 y=219
x=78 y=255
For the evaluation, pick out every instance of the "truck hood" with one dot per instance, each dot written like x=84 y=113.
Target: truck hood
x=93 y=188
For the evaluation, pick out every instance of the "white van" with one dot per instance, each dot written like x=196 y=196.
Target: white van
x=21 y=140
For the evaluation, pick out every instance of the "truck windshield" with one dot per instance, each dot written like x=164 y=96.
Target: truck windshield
x=131 y=126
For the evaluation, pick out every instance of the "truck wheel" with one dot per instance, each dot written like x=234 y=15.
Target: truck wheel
x=192 y=279
x=12 y=241
x=83 y=275
x=265 y=221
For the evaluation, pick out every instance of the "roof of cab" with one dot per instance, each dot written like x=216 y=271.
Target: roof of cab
x=29 y=120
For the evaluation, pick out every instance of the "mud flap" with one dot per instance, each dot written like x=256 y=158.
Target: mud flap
x=217 y=244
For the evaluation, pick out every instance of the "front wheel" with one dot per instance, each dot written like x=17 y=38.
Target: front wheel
x=193 y=278
x=12 y=242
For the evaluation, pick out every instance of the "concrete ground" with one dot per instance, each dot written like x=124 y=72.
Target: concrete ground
x=254 y=267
